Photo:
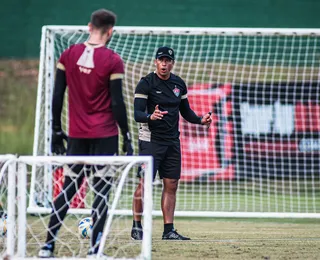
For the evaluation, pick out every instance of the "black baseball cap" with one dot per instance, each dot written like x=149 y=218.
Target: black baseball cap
x=165 y=52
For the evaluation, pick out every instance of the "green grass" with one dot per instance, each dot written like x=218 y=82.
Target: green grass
x=212 y=198
x=237 y=196
x=212 y=238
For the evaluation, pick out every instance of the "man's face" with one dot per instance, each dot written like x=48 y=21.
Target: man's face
x=164 y=65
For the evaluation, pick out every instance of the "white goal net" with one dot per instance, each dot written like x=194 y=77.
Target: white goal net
x=73 y=241
x=260 y=157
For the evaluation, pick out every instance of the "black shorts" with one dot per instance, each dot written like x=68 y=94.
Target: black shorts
x=167 y=159
x=91 y=147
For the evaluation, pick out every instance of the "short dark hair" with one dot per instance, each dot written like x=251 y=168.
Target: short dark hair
x=103 y=19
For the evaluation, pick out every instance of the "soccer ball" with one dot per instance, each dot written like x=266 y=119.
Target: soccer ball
x=3 y=227
x=85 y=227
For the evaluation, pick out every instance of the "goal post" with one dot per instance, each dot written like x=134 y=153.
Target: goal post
x=8 y=176
x=115 y=241
x=259 y=158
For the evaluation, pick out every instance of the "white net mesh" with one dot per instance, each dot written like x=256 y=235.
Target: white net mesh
x=261 y=153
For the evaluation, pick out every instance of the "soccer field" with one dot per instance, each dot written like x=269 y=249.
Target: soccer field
x=212 y=238
x=247 y=61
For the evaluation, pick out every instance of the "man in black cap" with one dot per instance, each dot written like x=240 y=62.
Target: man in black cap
x=159 y=97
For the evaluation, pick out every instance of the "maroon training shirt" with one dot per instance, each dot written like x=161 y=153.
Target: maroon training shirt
x=88 y=72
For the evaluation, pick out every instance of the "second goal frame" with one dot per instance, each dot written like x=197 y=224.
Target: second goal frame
x=125 y=162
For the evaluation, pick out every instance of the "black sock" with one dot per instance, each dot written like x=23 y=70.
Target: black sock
x=101 y=189
x=168 y=228
x=137 y=224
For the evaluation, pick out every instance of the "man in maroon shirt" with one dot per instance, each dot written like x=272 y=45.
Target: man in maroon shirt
x=93 y=74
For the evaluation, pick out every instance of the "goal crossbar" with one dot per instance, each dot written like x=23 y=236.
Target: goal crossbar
x=193 y=30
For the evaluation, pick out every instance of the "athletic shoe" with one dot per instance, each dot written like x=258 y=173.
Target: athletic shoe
x=136 y=234
x=174 y=235
x=46 y=251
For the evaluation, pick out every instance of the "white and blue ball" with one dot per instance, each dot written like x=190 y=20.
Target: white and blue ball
x=85 y=227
